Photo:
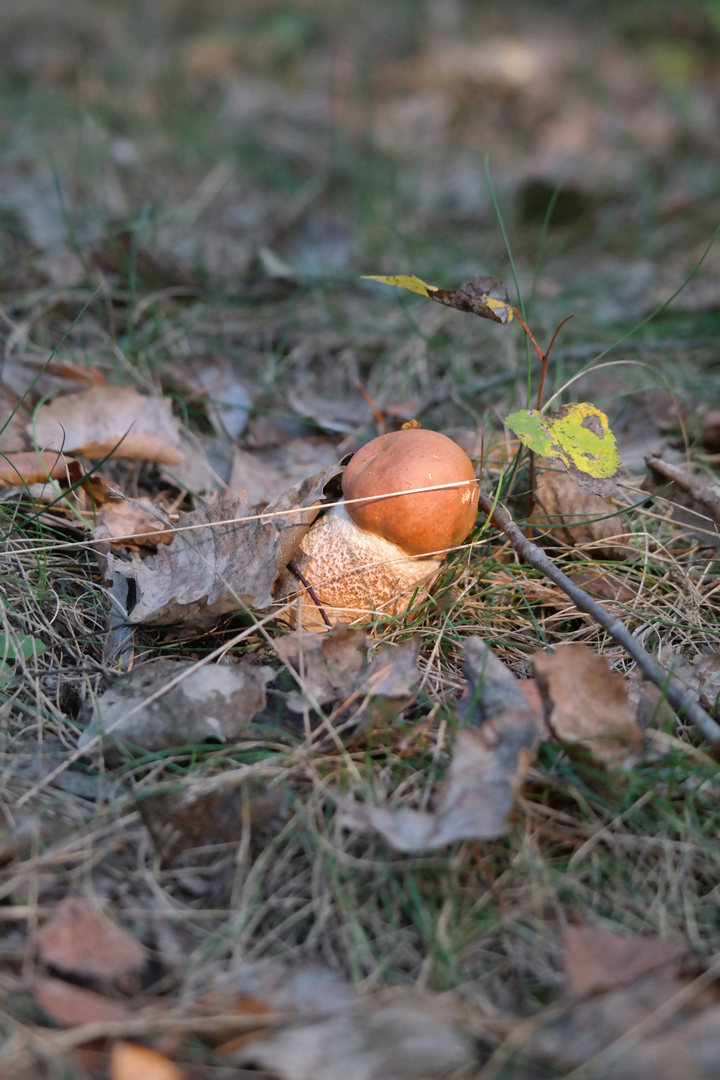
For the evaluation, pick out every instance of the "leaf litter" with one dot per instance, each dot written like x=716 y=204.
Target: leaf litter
x=224 y=557
x=486 y=916
x=109 y=421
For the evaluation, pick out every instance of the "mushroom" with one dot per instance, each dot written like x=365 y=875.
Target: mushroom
x=372 y=551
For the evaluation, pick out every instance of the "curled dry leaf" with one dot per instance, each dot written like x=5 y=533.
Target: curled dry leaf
x=215 y=564
x=80 y=939
x=487 y=768
x=134 y=523
x=336 y=671
x=586 y=702
x=596 y=960
x=580 y=518
x=216 y=701
x=35 y=467
x=223 y=556
x=113 y=421
x=484 y=296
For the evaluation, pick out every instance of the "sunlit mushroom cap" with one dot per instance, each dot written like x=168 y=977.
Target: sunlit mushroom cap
x=425 y=521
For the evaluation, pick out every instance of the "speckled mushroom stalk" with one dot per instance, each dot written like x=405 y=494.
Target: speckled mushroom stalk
x=370 y=553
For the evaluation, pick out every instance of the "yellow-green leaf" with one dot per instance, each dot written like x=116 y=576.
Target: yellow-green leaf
x=405 y=281
x=484 y=296
x=578 y=435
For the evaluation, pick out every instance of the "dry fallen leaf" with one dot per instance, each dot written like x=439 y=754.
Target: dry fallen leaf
x=487 y=768
x=80 y=939
x=130 y=1061
x=485 y=773
x=658 y=1026
x=183 y=822
x=577 y=518
x=70 y=1005
x=407 y=1040
x=215 y=564
x=597 y=960
x=35 y=467
x=133 y=523
x=586 y=702
x=491 y=686
x=330 y=663
x=335 y=670
x=266 y=473
x=113 y=421
x=224 y=556
x=215 y=381
x=271 y=987
x=216 y=701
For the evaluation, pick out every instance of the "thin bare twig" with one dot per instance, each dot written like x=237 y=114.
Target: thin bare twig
x=676 y=694
x=295 y=569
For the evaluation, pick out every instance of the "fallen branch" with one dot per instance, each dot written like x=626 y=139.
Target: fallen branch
x=676 y=694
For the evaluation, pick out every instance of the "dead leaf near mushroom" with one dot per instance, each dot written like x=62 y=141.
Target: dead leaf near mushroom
x=266 y=473
x=488 y=765
x=563 y=510
x=133 y=523
x=109 y=421
x=215 y=701
x=224 y=557
x=585 y=702
x=334 y=672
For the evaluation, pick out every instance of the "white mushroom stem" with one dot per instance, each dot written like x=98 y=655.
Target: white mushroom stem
x=355 y=573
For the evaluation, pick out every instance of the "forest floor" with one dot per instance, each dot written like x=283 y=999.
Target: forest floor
x=190 y=195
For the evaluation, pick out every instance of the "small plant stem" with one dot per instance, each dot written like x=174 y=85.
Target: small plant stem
x=675 y=693
x=544 y=358
x=295 y=569
x=544 y=361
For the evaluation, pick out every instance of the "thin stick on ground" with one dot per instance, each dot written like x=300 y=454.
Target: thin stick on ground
x=675 y=693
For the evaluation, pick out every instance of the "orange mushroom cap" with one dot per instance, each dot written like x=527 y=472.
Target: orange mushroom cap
x=422 y=522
